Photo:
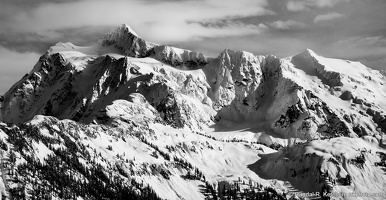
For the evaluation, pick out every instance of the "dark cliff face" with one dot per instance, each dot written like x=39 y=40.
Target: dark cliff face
x=130 y=44
x=180 y=58
x=56 y=88
x=27 y=97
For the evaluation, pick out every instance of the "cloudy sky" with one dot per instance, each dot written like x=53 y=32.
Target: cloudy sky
x=349 y=29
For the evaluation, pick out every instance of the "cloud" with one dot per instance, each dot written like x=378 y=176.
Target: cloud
x=374 y=62
x=300 y=5
x=154 y=20
x=363 y=42
x=14 y=66
x=369 y=50
x=295 y=6
x=285 y=25
x=34 y=42
x=327 y=17
x=195 y=31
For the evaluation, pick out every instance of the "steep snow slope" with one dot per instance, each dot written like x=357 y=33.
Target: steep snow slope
x=321 y=162
x=172 y=113
x=152 y=154
x=361 y=90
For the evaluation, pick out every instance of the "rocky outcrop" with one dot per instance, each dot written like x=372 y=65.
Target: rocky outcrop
x=181 y=58
x=330 y=123
x=51 y=76
x=233 y=76
x=346 y=95
x=378 y=117
x=130 y=44
x=308 y=62
x=179 y=97
x=383 y=72
x=135 y=108
x=339 y=163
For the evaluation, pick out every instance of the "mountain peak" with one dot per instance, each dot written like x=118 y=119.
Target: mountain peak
x=127 y=41
x=305 y=60
x=309 y=53
x=126 y=28
x=230 y=52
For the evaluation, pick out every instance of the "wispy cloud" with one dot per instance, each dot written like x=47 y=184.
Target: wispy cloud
x=369 y=50
x=375 y=62
x=327 y=17
x=19 y=63
x=300 y=5
x=285 y=25
x=156 y=20
x=364 y=42
x=295 y=6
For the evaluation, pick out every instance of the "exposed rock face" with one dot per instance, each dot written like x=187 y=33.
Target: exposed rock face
x=180 y=97
x=126 y=40
x=29 y=96
x=181 y=58
x=328 y=162
x=136 y=108
x=378 y=117
x=52 y=88
x=130 y=44
x=346 y=95
x=308 y=62
x=383 y=72
x=233 y=76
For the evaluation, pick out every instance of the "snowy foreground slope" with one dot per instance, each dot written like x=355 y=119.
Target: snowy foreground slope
x=129 y=119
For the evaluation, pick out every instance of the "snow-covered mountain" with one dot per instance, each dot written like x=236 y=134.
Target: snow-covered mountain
x=126 y=117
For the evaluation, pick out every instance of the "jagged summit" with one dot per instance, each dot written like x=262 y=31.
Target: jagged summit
x=230 y=53
x=309 y=52
x=130 y=44
x=127 y=28
x=124 y=29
